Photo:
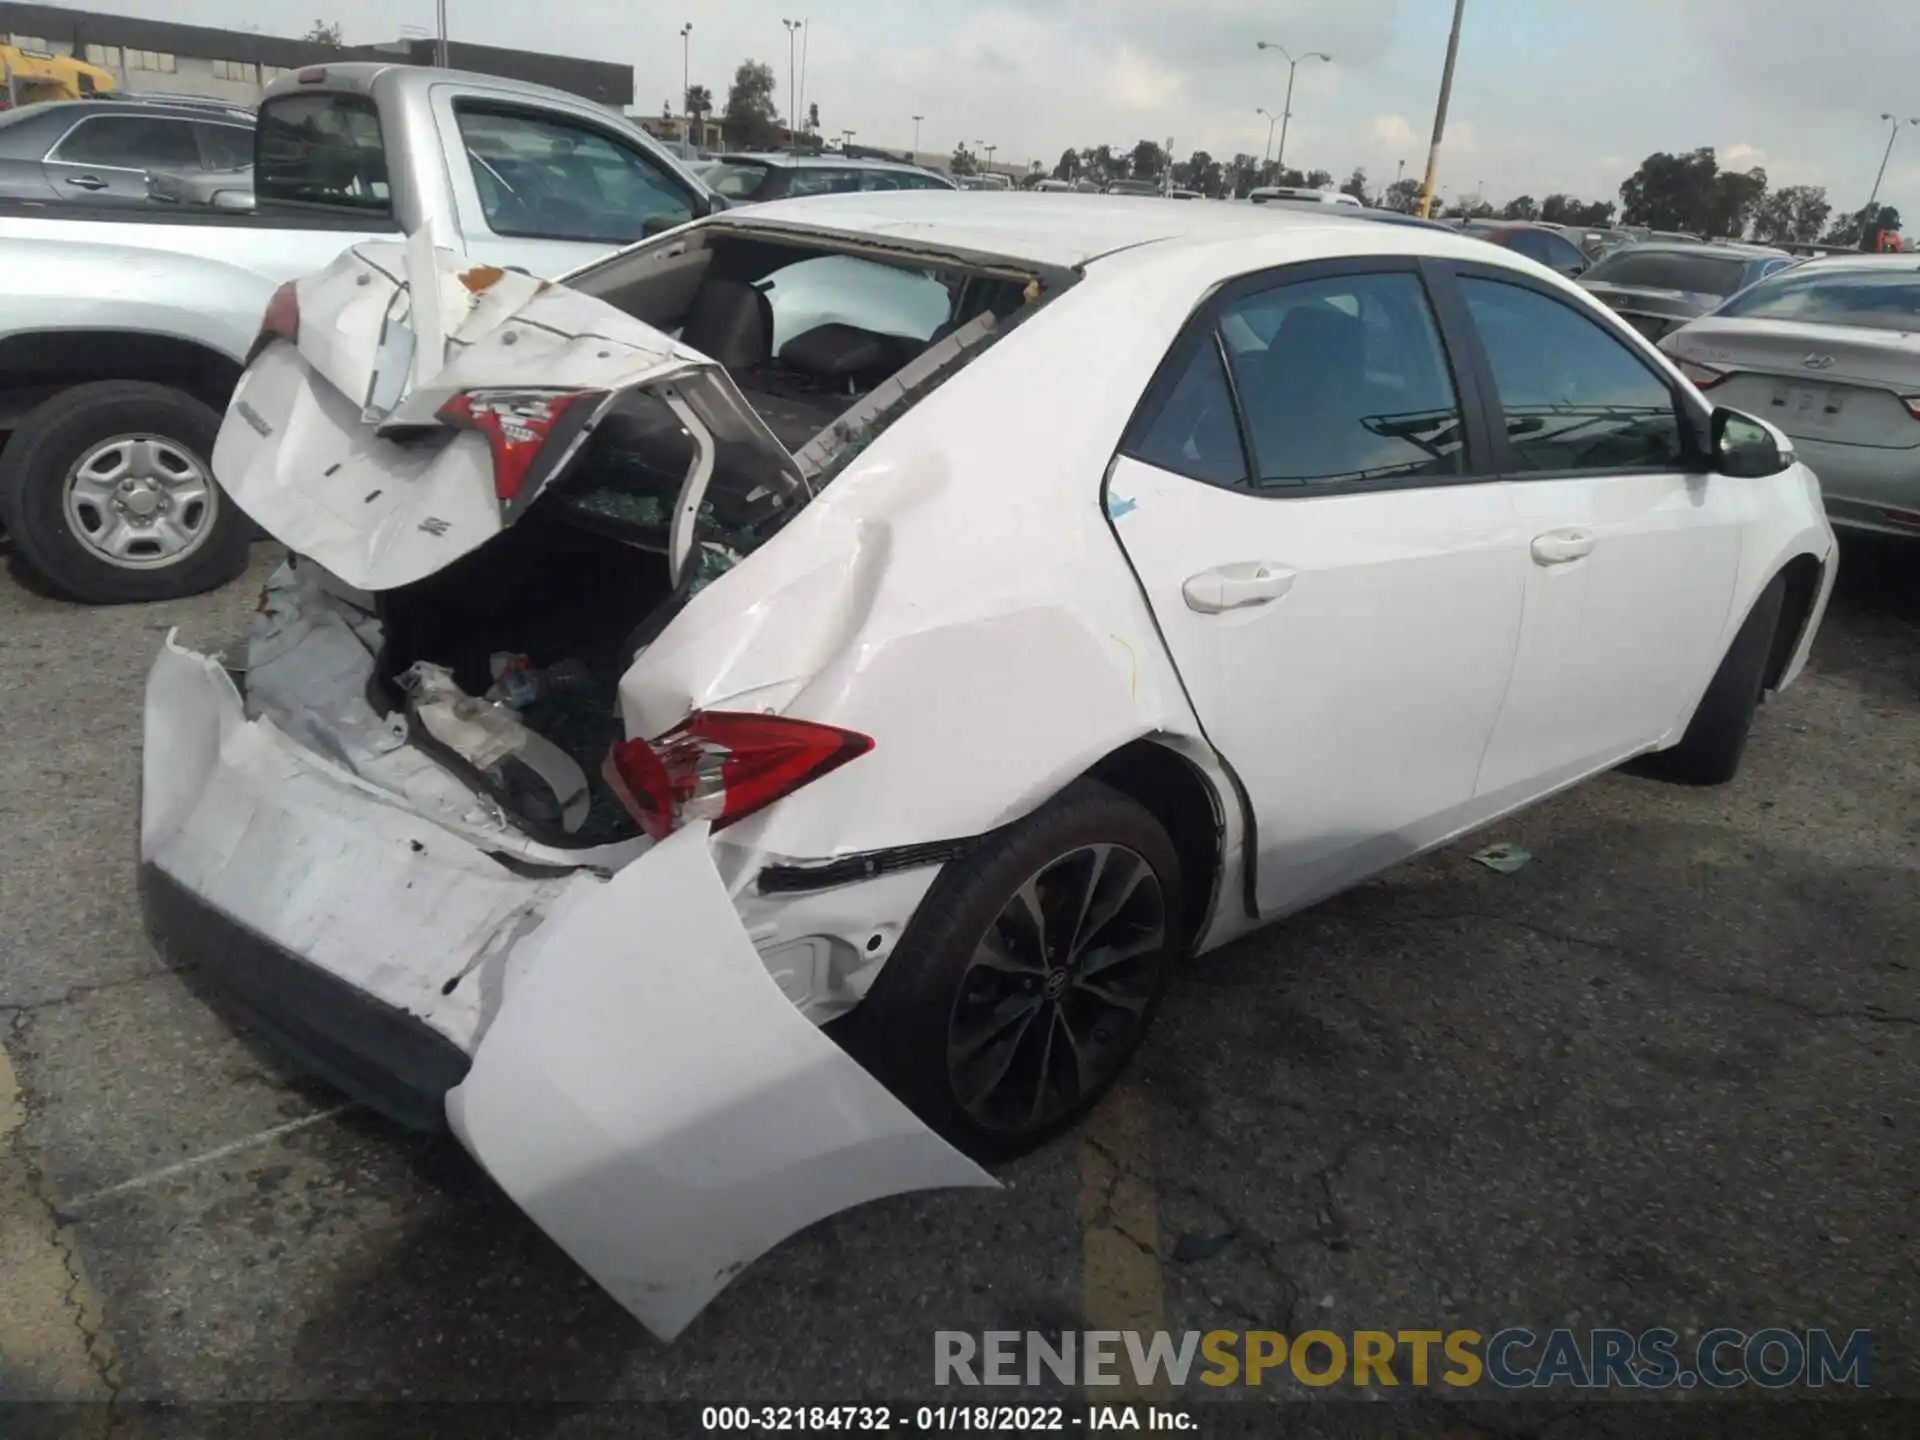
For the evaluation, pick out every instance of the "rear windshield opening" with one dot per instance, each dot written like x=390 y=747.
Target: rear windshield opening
x=1695 y=274
x=1876 y=299
x=807 y=332
x=322 y=149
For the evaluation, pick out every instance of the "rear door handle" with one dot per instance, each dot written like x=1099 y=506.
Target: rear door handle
x=86 y=182
x=1236 y=587
x=1558 y=547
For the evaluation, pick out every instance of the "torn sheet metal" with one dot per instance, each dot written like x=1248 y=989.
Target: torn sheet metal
x=333 y=457
x=649 y=1096
x=305 y=857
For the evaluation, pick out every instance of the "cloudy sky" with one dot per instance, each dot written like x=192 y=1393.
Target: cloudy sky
x=1549 y=95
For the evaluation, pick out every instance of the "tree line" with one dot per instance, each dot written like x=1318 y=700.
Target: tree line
x=1684 y=192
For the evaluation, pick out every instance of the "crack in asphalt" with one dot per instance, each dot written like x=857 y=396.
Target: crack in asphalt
x=21 y=1008
x=77 y=1297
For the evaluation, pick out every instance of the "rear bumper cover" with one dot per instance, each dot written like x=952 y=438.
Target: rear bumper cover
x=638 y=1083
x=383 y=1057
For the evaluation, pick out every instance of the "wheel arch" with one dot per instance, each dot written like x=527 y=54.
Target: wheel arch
x=1802 y=577
x=1191 y=806
x=35 y=365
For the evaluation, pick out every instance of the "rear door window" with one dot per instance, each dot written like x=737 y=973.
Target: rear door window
x=1344 y=380
x=547 y=177
x=224 y=147
x=322 y=149
x=128 y=142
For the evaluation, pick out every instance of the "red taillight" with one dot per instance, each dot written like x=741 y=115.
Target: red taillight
x=281 y=321
x=518 y=424
x=721 y=765
x=1704 y=377
x=312 y=75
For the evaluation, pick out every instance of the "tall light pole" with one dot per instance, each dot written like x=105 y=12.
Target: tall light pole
x=1440 y=110
x=686 y=75
x=793 y=99
x=916 y=137
x=806 y=34
x=846 y=139
x=1286 y=111
x=1872 y=213
x=1266 y=155
x=1401 y=173
x=988 y=149
x=440 y=35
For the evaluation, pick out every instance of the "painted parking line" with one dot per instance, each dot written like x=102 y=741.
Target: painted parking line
x=54 y=1343
x=1120 y=1230
x=219 y=1152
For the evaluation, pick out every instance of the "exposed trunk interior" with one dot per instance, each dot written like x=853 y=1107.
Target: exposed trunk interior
x=582 y=581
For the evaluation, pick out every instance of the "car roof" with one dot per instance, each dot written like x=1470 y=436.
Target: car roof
x=1067 y=231
x=1861 y=260
x=1702 y=247
x=72 y=110
x=803 y=162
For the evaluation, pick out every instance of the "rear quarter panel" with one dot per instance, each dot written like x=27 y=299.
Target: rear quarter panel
x=957 y=593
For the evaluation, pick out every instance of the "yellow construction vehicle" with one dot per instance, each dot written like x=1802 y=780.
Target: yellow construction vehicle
x=30 y=76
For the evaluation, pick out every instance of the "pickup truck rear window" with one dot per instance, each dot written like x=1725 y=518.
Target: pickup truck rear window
x=548 y=177
x=322 y=149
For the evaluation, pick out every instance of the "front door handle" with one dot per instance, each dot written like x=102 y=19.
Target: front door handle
x=1558 y=547
x=86 y=182
x=1235 y=587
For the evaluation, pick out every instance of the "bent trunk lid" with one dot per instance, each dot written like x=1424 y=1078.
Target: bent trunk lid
x=333 y=444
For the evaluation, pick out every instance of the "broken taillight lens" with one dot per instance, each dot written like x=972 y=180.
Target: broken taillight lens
x=281 y=321
x=518 y=425
x=722 y=766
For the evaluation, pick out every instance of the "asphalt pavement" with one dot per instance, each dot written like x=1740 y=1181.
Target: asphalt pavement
x=1665 y=1073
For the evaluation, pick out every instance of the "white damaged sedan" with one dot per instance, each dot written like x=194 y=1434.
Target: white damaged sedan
x=755 y=728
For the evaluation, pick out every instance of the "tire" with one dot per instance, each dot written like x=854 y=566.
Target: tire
x=169 y=438
x=1709 y=753
x=920 y=1029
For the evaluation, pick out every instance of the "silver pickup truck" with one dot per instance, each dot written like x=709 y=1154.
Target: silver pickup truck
x=123 y=329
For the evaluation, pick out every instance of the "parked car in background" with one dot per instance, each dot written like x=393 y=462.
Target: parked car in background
x=221 y=189
x=953 y=684
x=1266 y=194
x=1054 y=187
x=1659 y=287
x=1536 y=242
x=123 y=327
x=1133 y=187
x=1829 y=351
x=1356 y=212
x=754 y=178
x=99 y=151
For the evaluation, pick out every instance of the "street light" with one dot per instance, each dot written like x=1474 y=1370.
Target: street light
x=916 y=136
x=1266 y=155
x=1440 y=109
x=846 y=139
x=686 y=73
x=793 y=113
x=989 y=149
x=1286 y=111
x=1870 y=214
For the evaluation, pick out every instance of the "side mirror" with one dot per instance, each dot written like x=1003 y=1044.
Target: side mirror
x=1746 y=448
